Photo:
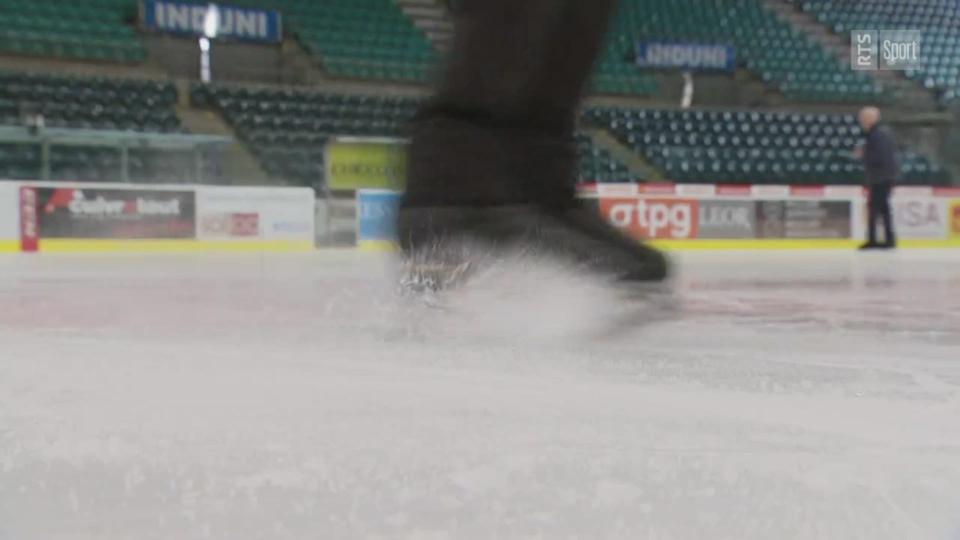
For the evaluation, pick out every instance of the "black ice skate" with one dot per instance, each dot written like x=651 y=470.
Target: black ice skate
x=443 y=245
x=477 y=192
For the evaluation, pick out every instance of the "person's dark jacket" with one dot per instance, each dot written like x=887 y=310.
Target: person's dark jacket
x=880 y=157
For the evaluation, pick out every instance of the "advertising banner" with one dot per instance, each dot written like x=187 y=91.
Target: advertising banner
x=804 y=219
x=71 y=212
x=9 y=216
x=232 y=22
x=645 y=217
x=919 y=217
x=230 y=225
x=686 y=56
x=29 y=222
x=377 y=216
x=245 y=213
x=955 y=218
x=365 y=165
x=727 y=219
x=681 y=218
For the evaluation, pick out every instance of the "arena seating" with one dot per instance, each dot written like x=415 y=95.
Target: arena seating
x=85 y=102
x=90 y=103
x=781 y=55
x=597 y=165
x=750 y=147
x=938 y=20
x=80 y=29
x=287 y=129
x=367 y=39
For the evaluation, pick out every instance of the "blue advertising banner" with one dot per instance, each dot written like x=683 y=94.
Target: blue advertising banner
x=233 y=22
x=377 y=217
x=685 y=56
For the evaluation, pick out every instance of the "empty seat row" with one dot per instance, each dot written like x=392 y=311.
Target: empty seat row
x=751 y=146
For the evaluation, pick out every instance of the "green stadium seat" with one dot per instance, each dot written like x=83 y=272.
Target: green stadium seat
x=750 y=147
x=70 y=30
x=765 y=44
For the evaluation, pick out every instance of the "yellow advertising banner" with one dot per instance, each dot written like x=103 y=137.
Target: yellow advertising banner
x=353 y=165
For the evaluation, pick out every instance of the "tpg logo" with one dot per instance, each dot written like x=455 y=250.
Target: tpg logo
x=652 y=218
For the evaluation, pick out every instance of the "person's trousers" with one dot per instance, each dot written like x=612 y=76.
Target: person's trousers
x=500 y=129
x=878 y=208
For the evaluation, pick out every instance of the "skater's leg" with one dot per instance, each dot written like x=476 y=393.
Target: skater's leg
x=500 y=129
x=492 y=156
x=558 y=87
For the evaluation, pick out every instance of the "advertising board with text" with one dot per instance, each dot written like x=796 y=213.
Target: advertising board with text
x=246 y=213
x=9 y=211
x=73 y=212
x=804 y=219
x=655 y=218
x=365 y=165
x=677 y=218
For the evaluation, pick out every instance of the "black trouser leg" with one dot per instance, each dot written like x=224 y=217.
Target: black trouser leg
x=500 y=128
x=886 y=213
x=872 y=213
x=879 y=209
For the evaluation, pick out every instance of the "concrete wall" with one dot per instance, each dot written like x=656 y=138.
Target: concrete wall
x=230 y=61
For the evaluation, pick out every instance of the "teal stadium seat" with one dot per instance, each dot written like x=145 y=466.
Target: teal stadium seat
x=81 y=29
x=779 y=54
x=288 y=129
x=702 y=146
x=91 y=103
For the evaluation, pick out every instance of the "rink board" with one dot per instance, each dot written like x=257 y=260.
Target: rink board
x=731 y=217
x=764 y=217
x=169 y=246
x=62 y=217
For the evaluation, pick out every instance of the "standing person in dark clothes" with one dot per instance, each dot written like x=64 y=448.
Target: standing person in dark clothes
x=882 y=170
x=492 y=157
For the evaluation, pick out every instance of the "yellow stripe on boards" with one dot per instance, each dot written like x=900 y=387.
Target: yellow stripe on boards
x=60 y=245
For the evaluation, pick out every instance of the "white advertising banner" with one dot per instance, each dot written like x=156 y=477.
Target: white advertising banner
x=916 y=217
x=255 y=213
x=9 y=211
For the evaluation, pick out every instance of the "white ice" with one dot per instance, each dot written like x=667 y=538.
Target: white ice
x=788 y=395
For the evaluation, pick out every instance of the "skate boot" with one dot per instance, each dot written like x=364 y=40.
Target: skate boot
x=443 y=245
x=477 y=192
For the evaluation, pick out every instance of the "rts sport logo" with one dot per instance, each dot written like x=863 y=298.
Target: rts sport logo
x=652 y=218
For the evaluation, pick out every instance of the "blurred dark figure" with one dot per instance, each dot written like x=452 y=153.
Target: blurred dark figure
x=882 y=170
x=492 y=157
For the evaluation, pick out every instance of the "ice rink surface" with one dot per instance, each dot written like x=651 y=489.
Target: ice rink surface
x=785 y=395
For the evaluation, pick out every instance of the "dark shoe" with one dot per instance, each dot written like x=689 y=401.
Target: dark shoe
x=870 y=246
x=889 y=245
x=434 y=237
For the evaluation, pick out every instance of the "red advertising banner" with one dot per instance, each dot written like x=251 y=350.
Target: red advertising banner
x=955 y=219
x=29 y=227
x=231 y=225
x=652 y=217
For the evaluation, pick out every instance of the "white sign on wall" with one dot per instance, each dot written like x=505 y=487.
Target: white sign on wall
x=9 y=211
x=255 y=213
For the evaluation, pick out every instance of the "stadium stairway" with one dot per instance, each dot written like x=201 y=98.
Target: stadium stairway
x=432 y=18
x=637 y=166
x=237 y=164
x=909 y=93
